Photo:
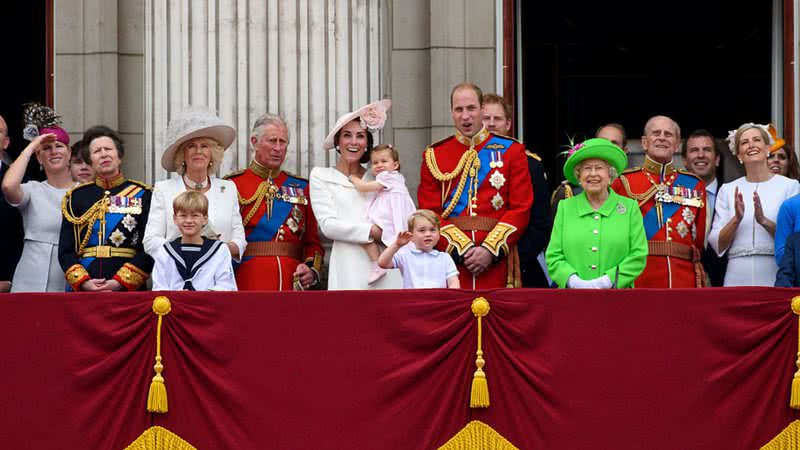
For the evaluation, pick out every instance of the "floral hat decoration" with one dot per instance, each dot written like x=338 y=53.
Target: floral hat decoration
x=372 y=117
x=746 y=126
x=779 y=142
x=596 y=148
x=40 y=119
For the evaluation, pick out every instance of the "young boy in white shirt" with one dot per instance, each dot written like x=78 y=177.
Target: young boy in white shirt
x=421 y=265
x=193 y=262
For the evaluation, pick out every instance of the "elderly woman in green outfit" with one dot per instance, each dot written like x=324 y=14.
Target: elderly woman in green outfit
x=598 y=239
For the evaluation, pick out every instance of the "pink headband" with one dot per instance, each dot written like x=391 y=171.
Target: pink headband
x=61 y=134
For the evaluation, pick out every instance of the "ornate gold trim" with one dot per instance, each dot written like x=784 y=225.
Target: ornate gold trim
x=456 y=239
x=787 y=439
x=76 y=275
x=264 y=172
x=476 y=139
x=110 y=183
x=158 y=438
x=131 y=276
x=655 y=166
x=478 y=435
x=496 y=239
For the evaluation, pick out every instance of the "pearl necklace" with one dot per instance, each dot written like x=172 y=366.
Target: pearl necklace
x=196 y=186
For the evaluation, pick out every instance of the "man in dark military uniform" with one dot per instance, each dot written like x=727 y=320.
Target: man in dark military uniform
x=100 y=248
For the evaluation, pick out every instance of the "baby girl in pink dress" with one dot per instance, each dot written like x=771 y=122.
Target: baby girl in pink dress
x=390 y=206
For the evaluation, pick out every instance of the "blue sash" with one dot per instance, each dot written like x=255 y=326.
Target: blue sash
x=266 y=229
x=112 y=220
x=651 y=225
x=485 y=155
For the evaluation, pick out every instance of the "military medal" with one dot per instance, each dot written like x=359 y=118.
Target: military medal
x=117 y=238
x=688 y=215
x=129 y=222
x=297 y=214
x=135 y=239
x=683 y=229
x=497 y=180
x=290 y=222
x=497 y=201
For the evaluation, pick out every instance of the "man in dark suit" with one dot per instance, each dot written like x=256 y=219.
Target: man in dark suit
x=10 y=223
x=496 y=116
x=700 y=156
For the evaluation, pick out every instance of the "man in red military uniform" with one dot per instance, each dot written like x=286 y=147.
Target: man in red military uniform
x=479 y=183
x=283 y=247
x=673 y=204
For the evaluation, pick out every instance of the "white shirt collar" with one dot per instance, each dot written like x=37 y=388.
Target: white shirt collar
x=413 y=249
x=712 y=187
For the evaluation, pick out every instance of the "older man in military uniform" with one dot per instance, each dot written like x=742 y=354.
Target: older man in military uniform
x=673 y=204
x=100 y=247
x=479 y=184
x=283 y=246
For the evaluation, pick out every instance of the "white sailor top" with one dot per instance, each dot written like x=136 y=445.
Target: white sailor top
x=206 y=267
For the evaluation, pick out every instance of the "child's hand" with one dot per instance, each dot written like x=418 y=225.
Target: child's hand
x=403 y=238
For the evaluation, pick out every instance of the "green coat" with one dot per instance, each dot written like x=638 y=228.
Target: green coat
x=593 y=243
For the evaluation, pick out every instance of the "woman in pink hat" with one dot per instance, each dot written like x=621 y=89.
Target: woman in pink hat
x=39 y=202
x=340 y=209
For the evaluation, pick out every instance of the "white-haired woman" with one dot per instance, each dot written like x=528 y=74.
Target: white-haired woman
x=598 y=238
x=197 y=141
x=747 y=208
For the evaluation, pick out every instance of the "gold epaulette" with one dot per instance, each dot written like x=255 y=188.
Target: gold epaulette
x=295 y=176
x=686 y=172
x=632 y=169
x=234 y=174
x=508 y=137
x=141 y=184
x=441 y=141
x=533 y=155
x=69 y=192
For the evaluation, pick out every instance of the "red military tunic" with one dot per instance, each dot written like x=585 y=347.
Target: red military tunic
x=481 y=188
x=673 y=207
x=280 y=227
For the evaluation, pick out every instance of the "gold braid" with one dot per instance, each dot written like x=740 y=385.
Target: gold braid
x=467 y=166
x=258 y=197
x=86 y=220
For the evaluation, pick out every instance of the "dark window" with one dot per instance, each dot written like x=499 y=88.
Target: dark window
x=706 y=64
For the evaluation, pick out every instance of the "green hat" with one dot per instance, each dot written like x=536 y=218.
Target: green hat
x=598 y=148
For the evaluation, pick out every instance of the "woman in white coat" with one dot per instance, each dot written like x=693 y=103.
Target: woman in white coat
x=197 y=141
x=341 y=210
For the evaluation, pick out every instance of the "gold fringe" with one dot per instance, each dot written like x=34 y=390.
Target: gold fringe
x=157 y=396
x=157 y=438
x=514 y=276
x=478 y=436
x=479 y=395
x=788 y=439
x=794 y=400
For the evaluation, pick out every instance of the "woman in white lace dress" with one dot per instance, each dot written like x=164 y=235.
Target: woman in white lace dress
x=747 y=209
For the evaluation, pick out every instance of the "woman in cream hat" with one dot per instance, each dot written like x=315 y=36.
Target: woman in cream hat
x=196 y=141
x=340 y=209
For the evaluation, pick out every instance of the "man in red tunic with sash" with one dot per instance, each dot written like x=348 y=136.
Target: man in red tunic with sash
x=479 y=184
x=283 y=247
x=673 y=204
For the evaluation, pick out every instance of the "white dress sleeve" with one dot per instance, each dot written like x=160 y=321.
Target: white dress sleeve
x=323 y=204
x=156 y=230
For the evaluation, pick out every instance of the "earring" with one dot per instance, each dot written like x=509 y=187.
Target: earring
x=740 y=161
x=211 y=164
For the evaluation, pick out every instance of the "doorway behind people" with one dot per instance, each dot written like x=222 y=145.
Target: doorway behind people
x=706 y=64
x=24 y=76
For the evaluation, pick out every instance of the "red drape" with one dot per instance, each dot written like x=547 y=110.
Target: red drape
x=628 y=369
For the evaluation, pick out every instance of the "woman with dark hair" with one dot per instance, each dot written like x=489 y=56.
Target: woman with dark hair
x=38 y=202
x=340 y=209
x=100 y=247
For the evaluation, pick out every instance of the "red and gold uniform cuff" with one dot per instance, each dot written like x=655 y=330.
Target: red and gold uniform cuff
x=314 y=262
x=131 y=277
x=496 y=240
x=76 y=276
x=456 y=239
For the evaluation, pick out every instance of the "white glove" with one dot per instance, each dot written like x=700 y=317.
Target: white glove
x=603 y=282
x=576 y=282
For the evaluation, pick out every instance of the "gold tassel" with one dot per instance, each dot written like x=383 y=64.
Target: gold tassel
x=157 y=397
x=794 y=401
x=479 y=396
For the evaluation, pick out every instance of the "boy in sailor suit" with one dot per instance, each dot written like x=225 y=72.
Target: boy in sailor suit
x=193 y=262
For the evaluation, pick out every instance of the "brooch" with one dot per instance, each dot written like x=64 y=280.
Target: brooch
x=621 y=208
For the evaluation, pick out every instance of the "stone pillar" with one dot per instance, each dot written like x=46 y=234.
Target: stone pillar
x=308 y=60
